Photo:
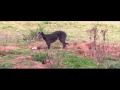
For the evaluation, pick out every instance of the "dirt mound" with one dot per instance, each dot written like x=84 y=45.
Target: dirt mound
x=26 y=62
x=21 y=66
x=83 y=49
x=5 y=49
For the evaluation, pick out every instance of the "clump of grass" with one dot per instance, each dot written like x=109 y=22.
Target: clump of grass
x=15 y=52
x=22 y=51
x=115 y=66
x=29 y=63
x=107 y=64
x=26 y=52
x=110 y=58
x=39 y=56
x=6 y=27
x=4 y=43
x=6 y=65
x=8 y=57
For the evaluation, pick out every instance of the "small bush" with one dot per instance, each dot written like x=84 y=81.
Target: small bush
x=32 y=34
x=39 y=56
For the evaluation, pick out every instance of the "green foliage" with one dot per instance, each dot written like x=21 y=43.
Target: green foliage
x=39 y=56
x=78 y=62
x=8 y=57
x=6 y=65
x=15 y=52
x=26 y=52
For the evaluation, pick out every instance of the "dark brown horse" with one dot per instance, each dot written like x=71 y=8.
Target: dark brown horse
x=50 y=38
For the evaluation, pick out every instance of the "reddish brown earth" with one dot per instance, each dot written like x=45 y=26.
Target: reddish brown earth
x=6 y=49
x=81 y=49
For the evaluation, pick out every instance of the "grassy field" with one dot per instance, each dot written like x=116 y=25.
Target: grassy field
x=74 y=29
x=12 y=34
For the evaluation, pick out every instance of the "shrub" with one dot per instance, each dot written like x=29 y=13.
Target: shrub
x=32 y=34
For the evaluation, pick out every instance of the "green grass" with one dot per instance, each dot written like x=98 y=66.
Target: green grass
x=115 y=66
x=109 y=63
x=12 y=53
x=110 y=58
x=8 y=57
x=4 y=65
x=74 y=29
x=4 y=43
x=22 y=51
x=69 y=59
x=15 y=52
x=39 y=56
x=73 y=61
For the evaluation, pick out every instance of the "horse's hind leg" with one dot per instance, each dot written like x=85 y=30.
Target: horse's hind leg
x=62 y=40
x=48 y=44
